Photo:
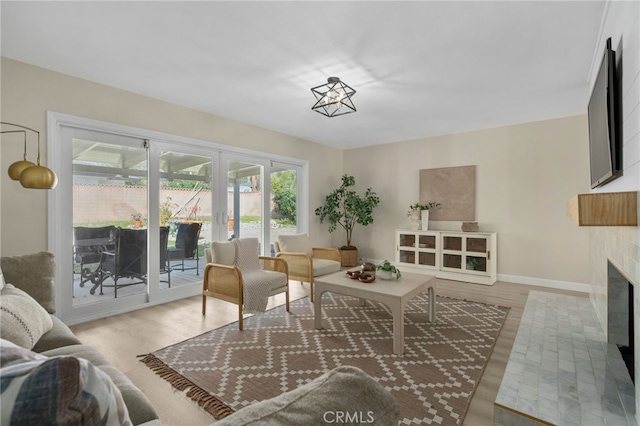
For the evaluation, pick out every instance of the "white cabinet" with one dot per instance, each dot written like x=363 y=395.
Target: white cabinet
x=461 y=256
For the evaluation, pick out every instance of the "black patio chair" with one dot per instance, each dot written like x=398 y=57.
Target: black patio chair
x=128 y=260
x=186 y=246
x=89 y=243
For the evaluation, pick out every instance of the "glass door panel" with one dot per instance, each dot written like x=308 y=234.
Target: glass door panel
x=428 y=259
x=244 y=200
x=109 y=212
x=475 y=263
x=407 y=256
x=283 y=203
x=452 y=261
x=452 y=243
x=185 y=212
x=427 y=241
x=407 y=240
x=477 y=245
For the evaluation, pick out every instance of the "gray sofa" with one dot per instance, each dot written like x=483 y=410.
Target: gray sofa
x=33 y=274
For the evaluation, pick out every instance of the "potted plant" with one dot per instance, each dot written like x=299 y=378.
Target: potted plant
x=137 y=219
x=345 y=208
x=416 y=212
x=386 y=271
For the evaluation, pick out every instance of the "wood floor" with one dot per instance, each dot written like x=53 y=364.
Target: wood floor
x=122 y=337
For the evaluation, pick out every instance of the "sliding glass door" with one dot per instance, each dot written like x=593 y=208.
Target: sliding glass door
x=135 y=211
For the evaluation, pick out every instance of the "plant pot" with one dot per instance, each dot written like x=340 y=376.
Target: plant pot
x=385 y=275
x=137 y=223
x=349 y=257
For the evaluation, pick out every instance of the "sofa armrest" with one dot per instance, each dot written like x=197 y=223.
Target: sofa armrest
x=343 y=391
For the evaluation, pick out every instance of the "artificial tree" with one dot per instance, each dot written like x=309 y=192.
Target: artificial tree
x=345 y=208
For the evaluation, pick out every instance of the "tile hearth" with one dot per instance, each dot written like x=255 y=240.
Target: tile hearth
x=561 y=370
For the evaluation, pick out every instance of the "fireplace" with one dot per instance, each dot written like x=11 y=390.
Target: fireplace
x=620 y=315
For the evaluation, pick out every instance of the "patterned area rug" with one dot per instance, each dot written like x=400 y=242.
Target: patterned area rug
x=227 y=369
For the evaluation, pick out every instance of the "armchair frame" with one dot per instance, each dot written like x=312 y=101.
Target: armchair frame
x=225 y=282
x=301 y=264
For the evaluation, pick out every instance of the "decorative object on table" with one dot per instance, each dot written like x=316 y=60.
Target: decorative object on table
x=354 y=275
x=368 y=267
x=333 y=98
x=386 y=271
x=419 y=214
x=346 y=208
x=367 y=278
x=470 y=226
x=30 y=175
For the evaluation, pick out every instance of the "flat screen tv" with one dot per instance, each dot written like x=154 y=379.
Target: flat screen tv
x=605 y=135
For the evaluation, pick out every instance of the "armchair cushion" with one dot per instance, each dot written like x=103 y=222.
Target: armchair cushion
x=23 y=320
x=223 y=253
x=325 y=266
x=299 y=243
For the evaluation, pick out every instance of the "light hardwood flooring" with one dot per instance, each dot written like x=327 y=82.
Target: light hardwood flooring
x=122 y=337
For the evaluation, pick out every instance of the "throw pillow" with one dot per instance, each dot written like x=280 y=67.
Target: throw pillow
x=62 y=390
x=23 y=320
x=34 y=274
x=223 y=253
x=296 y=244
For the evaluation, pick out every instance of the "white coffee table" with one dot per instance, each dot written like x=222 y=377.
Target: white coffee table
x=394 y=293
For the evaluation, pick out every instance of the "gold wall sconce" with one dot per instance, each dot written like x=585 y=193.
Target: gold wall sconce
x=30 y=175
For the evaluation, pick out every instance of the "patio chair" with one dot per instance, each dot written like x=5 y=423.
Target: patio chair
x=236 y=273
x=128 y=260
x=89 y=243
x=186 y=245
x=306 y=262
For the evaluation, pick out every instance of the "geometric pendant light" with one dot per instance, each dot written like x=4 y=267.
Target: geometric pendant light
x=30 y=175
x=333 y=98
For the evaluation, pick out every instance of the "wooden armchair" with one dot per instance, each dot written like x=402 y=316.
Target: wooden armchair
x=306 y=262
x=236 y=273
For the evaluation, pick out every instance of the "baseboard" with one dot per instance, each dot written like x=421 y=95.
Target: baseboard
x=541 y=282
x=516 y=279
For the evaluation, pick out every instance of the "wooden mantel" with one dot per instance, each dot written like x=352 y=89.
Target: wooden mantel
x=604 y=209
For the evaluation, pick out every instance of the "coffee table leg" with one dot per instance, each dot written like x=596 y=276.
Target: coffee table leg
x=432 y=305
x=317 y=308
x=398 y=328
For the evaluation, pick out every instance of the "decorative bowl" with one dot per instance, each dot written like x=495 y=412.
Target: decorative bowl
x=367 y=278
x=354 y=275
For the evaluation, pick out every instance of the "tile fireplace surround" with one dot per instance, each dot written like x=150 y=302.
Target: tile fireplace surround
x=621 y=247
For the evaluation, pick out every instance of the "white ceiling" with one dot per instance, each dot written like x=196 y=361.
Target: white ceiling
x=420 y=68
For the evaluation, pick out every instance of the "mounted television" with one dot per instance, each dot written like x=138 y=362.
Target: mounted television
x=604 y=112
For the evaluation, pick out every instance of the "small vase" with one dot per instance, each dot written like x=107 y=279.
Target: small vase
x=424 y=216
x=415 y=221
x=137 y=224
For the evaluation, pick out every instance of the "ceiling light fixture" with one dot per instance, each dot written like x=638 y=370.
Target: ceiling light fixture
x=30 y=175
x=333 y=98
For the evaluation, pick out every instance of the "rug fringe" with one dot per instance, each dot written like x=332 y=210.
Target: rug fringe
x=209 y=403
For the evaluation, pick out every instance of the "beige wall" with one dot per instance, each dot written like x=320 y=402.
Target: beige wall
x=29 y=92
x=525 y=174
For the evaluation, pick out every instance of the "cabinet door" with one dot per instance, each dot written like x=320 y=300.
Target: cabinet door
x=405 y=247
